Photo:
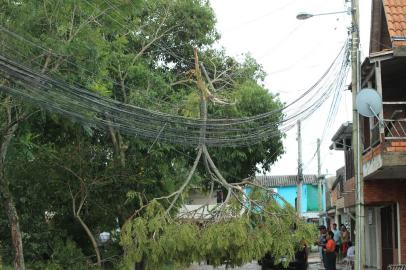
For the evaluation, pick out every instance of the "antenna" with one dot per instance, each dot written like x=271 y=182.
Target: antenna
x=369 y=102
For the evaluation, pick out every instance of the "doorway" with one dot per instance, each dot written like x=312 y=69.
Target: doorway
x=389 y=234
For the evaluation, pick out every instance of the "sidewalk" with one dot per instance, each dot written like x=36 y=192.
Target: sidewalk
x=314 y=258
x=315 y=262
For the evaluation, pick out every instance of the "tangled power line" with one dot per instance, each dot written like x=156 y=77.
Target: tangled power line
x=82 y=105
x=23 y=77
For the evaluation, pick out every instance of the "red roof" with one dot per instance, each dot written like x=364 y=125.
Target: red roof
x=395 y=11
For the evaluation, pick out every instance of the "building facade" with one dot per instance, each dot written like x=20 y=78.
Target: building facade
x=342 y=188
x=384 y=157
x=383 y=139
x=286 y=187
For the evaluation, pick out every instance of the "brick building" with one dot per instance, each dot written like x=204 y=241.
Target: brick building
x=343 y=188
x=384 y=158
x=331 y=199
x=384 y=142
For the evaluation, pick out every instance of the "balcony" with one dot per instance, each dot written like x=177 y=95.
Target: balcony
x=385 y=143
x=384 y=155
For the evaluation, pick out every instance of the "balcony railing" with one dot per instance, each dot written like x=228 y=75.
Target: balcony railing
x=395 y=129
x=394 y=120
x=393 y=125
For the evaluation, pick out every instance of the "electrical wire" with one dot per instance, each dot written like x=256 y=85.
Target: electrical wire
x=85 y=106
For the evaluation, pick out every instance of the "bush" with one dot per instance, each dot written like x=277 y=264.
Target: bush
x=65 y=255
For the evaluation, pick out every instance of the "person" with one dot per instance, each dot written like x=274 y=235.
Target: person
x=350 y=254
x=350 y=251
x=322 y=243
x=345 y=237
x=337 y=238
x=330 y=252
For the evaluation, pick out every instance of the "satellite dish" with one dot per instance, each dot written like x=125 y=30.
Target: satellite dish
x=369 y=102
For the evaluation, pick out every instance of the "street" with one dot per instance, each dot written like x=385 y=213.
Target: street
x=250 y=266
x=314 y=264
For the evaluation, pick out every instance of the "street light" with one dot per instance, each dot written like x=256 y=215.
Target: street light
x=104 y=237
x=305 y=15
x=356 y=138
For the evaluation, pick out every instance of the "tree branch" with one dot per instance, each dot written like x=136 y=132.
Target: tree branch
x=186 y=183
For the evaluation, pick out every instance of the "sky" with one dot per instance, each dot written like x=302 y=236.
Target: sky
x=294 y=54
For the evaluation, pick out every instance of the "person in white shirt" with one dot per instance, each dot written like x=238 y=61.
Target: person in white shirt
x=337 y=239
x=350 y=251
x=350 y=254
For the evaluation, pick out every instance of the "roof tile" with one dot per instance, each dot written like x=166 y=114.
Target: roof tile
x=395 y=11
x=284 y=180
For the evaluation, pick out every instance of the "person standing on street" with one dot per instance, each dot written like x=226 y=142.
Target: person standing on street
x=351 y=251
x=330 y=252
x=337 y=239
x=322 y=244
x=345 y=238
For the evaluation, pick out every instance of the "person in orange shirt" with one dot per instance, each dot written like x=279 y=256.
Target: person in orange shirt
x=330 y=252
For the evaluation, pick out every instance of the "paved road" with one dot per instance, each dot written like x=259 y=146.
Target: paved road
x=314 y=264
x=250 y=266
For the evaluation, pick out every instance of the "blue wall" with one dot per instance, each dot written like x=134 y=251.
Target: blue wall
x=289 y=193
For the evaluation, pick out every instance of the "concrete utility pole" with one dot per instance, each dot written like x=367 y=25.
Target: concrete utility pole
x=299 y=169
x=356 y=141
x=319 y=182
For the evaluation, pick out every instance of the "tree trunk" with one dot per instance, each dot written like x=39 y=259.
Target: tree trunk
x=92 y=239
x=119 y=149
x=8 y=202
x=15 y=232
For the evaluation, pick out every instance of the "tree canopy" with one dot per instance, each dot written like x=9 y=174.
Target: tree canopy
x=68 y=182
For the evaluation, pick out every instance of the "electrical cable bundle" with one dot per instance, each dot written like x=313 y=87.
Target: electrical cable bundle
x=79 y=103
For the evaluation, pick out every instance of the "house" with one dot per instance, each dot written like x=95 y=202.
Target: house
x=343 y=187
x=329 y=216
x=384 y=157
x=199 y=204
x=286 y=187
x=342 y=202
x=384 y=141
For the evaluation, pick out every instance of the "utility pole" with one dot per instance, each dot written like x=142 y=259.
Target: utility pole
x=356 y=141
x=319 y=182
x=299 y=169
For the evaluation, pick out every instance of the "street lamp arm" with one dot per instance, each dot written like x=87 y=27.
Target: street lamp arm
x=305 y=15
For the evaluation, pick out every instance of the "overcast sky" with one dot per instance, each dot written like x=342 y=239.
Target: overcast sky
x=294 y=54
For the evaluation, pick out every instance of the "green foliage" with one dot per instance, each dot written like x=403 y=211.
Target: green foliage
x=131 y=51
x=240 y=162
x=65 y=255
x=155 y=239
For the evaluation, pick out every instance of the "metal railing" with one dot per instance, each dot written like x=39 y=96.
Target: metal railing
x=394 y=122
x=393 y=125
x=395 y=129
